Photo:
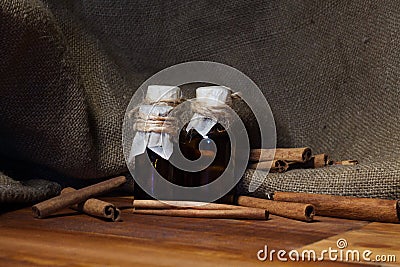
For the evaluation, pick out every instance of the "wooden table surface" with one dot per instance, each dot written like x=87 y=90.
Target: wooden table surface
x=73 y=239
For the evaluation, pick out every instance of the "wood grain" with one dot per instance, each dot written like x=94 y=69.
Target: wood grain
x=72 y=239
x=380 y=238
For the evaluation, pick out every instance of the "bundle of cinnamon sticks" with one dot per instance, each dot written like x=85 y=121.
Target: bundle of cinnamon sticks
x=241 y=207
x=297 y=206
x=284 y=159
x=82 y=200
x=291 y=205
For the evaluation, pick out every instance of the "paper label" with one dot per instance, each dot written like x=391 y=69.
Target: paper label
x=201 y=124
x=160 y=143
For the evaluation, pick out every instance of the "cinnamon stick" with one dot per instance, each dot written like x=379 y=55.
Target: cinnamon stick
x=95 y=207
x=257 y=155
x=155 y=204
x=320 y=160
x=366 y=209
x=247 y=213
x=57 y=203
x=347 y=162
x=316 y=161
x=274 y=166
x=288 y=154
x=291 y=210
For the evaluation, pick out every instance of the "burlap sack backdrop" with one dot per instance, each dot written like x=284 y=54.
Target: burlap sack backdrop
x=329 y=69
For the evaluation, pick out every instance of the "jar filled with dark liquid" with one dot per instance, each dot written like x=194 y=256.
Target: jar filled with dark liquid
x=205 y=137
x=152 y=145
x=148 y=172
x=189 y=143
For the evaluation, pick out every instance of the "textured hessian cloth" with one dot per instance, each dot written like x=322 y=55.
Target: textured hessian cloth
x=329 y=69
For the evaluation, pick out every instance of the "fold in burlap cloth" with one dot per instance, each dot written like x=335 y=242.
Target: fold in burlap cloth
x=24 y=192
x=378 y=179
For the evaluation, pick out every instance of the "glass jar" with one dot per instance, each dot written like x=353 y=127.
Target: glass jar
x=152 y=145
x=205 y=137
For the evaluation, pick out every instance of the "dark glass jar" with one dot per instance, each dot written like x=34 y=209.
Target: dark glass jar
x=205 y=137
x=148 y=172
x=151 y=138
x=189 y=144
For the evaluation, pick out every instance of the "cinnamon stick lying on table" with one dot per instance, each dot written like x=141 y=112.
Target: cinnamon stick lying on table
x=247 y=213
x=57 y=203
x=288 y=154
x=274 y=166
x=366 y=209
x=95 y=207
x=296 y=211
x=156 y=204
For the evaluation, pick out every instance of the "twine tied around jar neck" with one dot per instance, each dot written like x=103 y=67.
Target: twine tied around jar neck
x=167 y=124
x=164 y=102
x=155 y=124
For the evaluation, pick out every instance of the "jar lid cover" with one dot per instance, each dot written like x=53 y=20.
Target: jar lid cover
x=213 y=95
x=156 y=93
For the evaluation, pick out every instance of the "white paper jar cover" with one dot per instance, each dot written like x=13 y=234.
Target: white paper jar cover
x=159 y=143
x=156 y=93
x=213 y=95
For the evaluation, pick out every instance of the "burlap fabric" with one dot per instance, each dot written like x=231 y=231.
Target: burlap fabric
x=27 y=191
x=329 y=69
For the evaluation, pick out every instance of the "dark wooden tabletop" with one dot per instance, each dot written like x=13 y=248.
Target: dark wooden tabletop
x=73 y=239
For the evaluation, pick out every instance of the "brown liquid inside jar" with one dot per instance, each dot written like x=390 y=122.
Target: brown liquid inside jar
x=189 y=145
x=147 y=173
